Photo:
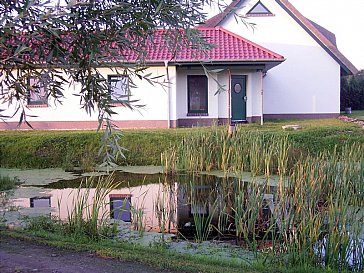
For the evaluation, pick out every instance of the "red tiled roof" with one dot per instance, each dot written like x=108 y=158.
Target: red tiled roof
x=227 y=47
x=321 y=35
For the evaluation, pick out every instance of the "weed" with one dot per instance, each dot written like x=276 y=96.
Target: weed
x=7 y=183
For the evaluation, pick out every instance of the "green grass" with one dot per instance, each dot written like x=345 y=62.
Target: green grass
x=66 y=149
x=159 y=258
x=358 y=114
x=7 y=183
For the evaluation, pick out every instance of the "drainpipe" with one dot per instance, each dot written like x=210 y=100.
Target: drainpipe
x=261 y=93
x=168 y=95
x=231 y=127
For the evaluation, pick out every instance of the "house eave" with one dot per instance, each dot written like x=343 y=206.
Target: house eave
x=267 y=63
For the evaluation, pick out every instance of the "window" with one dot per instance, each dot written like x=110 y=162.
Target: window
x=259 y=9
x=37 y=94
x=40 y=202
x=119 y=88
x=120 y=207
x=197 y=94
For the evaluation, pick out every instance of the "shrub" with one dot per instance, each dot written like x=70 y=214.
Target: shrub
x=352 y=91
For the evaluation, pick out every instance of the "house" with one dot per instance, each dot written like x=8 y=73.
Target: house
x=307 y=84
x=288 y=67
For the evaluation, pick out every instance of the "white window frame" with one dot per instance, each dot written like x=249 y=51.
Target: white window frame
x=118 y=88
x=37 y=95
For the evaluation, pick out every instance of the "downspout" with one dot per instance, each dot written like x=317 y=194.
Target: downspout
x=261 y=93
x=231 y=127
x=168 y=95
x=229 y=97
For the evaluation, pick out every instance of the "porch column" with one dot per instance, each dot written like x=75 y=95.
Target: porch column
x=168 y=96
x=261 y=95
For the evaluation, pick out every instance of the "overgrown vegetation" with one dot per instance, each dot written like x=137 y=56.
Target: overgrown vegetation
x=311 y=218
x=316 y=210
x=66 y=149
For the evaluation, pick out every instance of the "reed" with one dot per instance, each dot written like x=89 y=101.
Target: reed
x=317 y=216
x=168 y=161
x=320 y=210
x=253 y=152
x=137 y=209
x=164 y=207
x=247 y=211
x=203 y=209
x=88 y=215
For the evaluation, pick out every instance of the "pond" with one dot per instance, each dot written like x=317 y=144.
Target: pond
x=180 y=198
x=238 y=209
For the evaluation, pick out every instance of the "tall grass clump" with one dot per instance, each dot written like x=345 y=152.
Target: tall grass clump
x=88 y=215
x=168 y=160
x=320 y=210
x=247 y=210
x=203 y=212
x=7 y=183
x=252 y=151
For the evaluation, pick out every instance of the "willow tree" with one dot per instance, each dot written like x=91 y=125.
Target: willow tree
x=66 y=43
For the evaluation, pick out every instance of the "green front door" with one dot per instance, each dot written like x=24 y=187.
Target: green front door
x=238 y=98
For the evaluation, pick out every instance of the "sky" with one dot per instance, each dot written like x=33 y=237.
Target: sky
x=345 y=18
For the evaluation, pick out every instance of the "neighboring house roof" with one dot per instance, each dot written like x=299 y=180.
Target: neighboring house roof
x=324 y=37
x=227 y=47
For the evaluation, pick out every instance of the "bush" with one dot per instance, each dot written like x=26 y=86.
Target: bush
x=352 y=91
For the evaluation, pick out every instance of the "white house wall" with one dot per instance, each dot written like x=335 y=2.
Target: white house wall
x=69 y=115
x=308 y=82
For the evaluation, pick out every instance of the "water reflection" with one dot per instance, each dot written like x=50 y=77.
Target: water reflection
x=120 y=205
x=168 y=202
x=40 y=202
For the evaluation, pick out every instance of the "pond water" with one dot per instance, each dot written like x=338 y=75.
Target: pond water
x=172 y=203
x=175 y=200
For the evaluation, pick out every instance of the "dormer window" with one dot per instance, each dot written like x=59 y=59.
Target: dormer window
x=259 y=10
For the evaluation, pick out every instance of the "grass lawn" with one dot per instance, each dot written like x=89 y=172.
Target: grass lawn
x=358 y=114
x=66 y=149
